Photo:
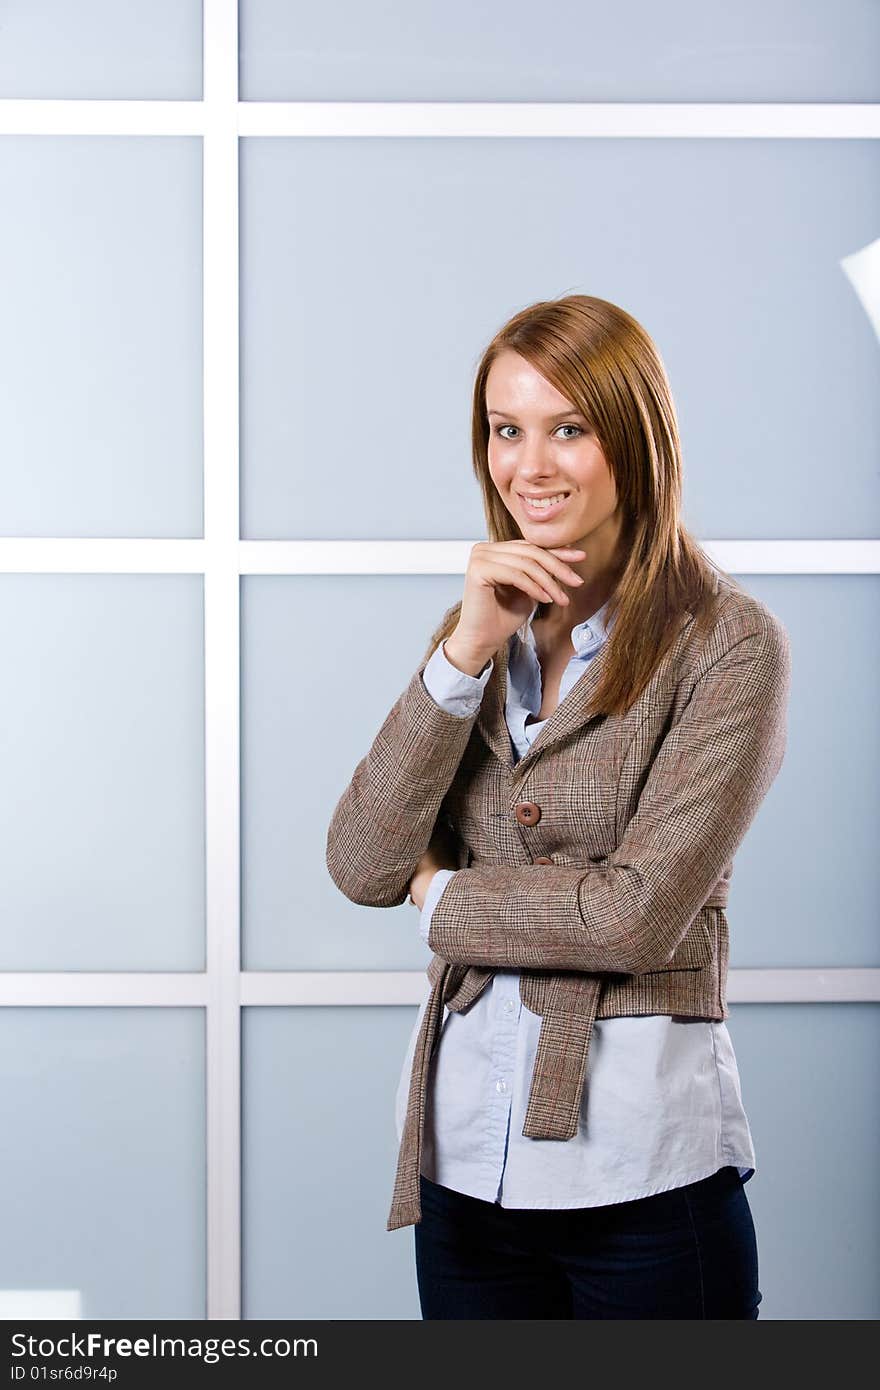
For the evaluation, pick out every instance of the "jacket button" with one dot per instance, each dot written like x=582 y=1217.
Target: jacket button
x=542 y=860
x=527 y=813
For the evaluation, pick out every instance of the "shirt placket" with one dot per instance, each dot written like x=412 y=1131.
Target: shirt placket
x=506 y=1008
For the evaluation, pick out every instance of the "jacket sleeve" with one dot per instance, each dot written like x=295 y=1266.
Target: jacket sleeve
x=705 y=785
x=384 y=820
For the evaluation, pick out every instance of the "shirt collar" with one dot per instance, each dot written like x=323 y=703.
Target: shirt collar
x=586 y=635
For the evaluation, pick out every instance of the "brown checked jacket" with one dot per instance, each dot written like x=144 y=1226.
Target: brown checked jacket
x=598 y=865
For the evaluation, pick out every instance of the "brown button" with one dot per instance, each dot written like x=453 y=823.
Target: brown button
x=527 y=813
x=542 y=860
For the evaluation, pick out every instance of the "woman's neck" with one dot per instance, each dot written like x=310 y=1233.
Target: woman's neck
x=557 y=619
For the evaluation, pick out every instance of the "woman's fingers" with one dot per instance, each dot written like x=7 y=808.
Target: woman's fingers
x=530 y=579
x=549 y=559
x=525 y=563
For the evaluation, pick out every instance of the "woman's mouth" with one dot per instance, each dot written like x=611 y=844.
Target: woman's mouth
x=543 y=508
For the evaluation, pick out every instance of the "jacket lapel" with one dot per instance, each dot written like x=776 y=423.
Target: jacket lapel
x=491 y=721
x=570 y=714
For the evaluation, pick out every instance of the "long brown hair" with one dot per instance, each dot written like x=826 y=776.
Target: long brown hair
x=608 y=367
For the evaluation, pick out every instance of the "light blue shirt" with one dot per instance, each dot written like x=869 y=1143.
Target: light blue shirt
x=662 y=1104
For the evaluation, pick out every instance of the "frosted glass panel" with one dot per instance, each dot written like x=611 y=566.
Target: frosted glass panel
x=102 y=817
x=506 y=50
x=375 y=271
x=101 y=336
x=101 y=49
x=102 y=1152
x=803 y=890
x=323 y=660
x=318 y=1161
x=809 y=1084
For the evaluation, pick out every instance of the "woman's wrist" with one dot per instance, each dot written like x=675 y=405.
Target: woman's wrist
x=422 y=879
x=419 y=886
x=464 y=657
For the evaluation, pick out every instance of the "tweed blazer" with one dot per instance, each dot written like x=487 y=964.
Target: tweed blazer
x=598 y=865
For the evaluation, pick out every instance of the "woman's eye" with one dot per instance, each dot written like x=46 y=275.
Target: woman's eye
x=501 y=428
x=576 y=428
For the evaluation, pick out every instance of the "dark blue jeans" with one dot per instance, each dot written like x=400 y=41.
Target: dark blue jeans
x=686 y=1253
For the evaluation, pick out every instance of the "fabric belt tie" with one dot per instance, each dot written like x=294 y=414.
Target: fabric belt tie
x=554 y=1099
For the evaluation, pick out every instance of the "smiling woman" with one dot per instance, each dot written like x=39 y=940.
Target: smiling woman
x=561 y=789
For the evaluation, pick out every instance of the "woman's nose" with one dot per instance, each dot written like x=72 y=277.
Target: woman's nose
x=536 y=460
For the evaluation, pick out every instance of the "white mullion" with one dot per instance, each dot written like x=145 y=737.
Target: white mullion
x=323 y=987
x=106 y=988
x=294 y=988
x=451 y=557
x=96 y=555
x=815 y=985
x=99 y=555
x=43 y=116
x=440 y=119
x=219 y=553
x=564 y=119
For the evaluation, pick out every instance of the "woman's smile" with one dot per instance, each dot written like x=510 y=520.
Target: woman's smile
x=545 y=509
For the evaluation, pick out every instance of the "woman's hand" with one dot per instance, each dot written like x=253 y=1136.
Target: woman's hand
x=503 y=582
x=440 y=854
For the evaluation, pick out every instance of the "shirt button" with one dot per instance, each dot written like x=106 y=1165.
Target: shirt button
x=527 y=813
x=501 y=1087
x=508 y=1006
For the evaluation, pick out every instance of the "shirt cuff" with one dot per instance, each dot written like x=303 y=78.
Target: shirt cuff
x=435 y=889
x=454 y=690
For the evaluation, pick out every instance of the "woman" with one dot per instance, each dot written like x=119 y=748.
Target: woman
x=599 y=661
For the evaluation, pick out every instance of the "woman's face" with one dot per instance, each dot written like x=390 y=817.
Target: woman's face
x=539 y=446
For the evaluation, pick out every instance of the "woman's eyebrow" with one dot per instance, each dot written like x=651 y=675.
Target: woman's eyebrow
x=563 y=414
